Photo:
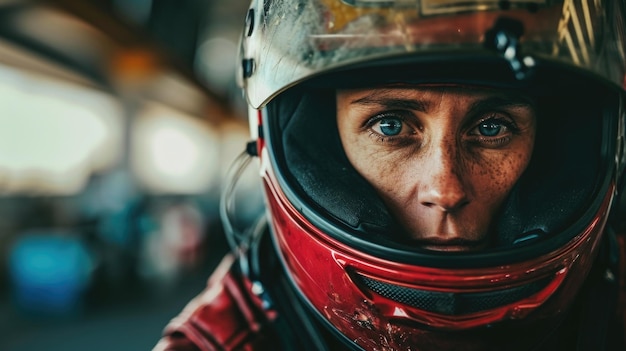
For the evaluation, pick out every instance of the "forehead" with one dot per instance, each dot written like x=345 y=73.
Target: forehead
x=425 y=91
x=426 y=97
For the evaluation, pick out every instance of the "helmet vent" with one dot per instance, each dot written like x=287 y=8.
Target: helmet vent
x=451 y=303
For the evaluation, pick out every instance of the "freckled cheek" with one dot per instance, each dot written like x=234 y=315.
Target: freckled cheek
x=501 y=173
x=368 y=157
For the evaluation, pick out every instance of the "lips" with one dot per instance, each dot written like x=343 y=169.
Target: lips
x=450 y=243
x=445 y=232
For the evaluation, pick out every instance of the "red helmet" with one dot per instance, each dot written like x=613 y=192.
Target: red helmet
x=339 y=242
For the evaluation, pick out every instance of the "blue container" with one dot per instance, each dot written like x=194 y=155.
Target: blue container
x=50 y=272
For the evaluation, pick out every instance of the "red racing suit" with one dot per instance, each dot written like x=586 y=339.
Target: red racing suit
x=225 y=316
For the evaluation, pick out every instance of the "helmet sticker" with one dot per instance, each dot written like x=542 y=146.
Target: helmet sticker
x=439 y=7
x=576 y=31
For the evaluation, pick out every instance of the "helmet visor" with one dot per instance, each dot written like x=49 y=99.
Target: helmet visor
x=289 y=42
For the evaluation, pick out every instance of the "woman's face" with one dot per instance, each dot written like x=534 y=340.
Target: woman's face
x=442 y=158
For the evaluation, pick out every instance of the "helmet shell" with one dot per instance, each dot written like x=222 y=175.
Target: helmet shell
x=379 y=294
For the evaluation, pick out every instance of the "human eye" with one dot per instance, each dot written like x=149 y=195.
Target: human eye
x=493 y=131
x=389 y=126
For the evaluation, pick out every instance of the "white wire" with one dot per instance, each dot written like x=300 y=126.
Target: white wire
x=237 y=240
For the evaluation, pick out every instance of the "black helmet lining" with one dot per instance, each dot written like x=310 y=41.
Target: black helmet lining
x=314 y=158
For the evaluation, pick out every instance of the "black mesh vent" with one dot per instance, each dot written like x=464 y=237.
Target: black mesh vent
x=451 y=303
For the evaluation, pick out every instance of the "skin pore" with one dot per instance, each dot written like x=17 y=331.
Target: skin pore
x=443 y=158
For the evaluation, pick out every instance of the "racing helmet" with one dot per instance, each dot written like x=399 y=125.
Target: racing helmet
x=340 y=245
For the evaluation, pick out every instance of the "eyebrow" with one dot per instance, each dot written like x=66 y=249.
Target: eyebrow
x=502 y=101
x=382 y=98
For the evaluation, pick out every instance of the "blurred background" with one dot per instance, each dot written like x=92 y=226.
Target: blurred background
x=118 y=121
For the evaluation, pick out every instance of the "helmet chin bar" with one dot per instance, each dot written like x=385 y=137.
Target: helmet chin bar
x=474 y=306
x=361 y=294
x=463 y=300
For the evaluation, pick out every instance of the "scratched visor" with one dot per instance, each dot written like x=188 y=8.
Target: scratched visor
x=285 y=43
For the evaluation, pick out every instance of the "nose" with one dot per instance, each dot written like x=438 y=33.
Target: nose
x=443 y=186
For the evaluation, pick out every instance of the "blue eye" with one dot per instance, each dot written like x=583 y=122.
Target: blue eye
x=390 y=126
x=489 y=128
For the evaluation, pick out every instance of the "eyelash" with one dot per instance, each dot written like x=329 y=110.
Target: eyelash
x=495 y=141
x=495 y=117
x=369 y=125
